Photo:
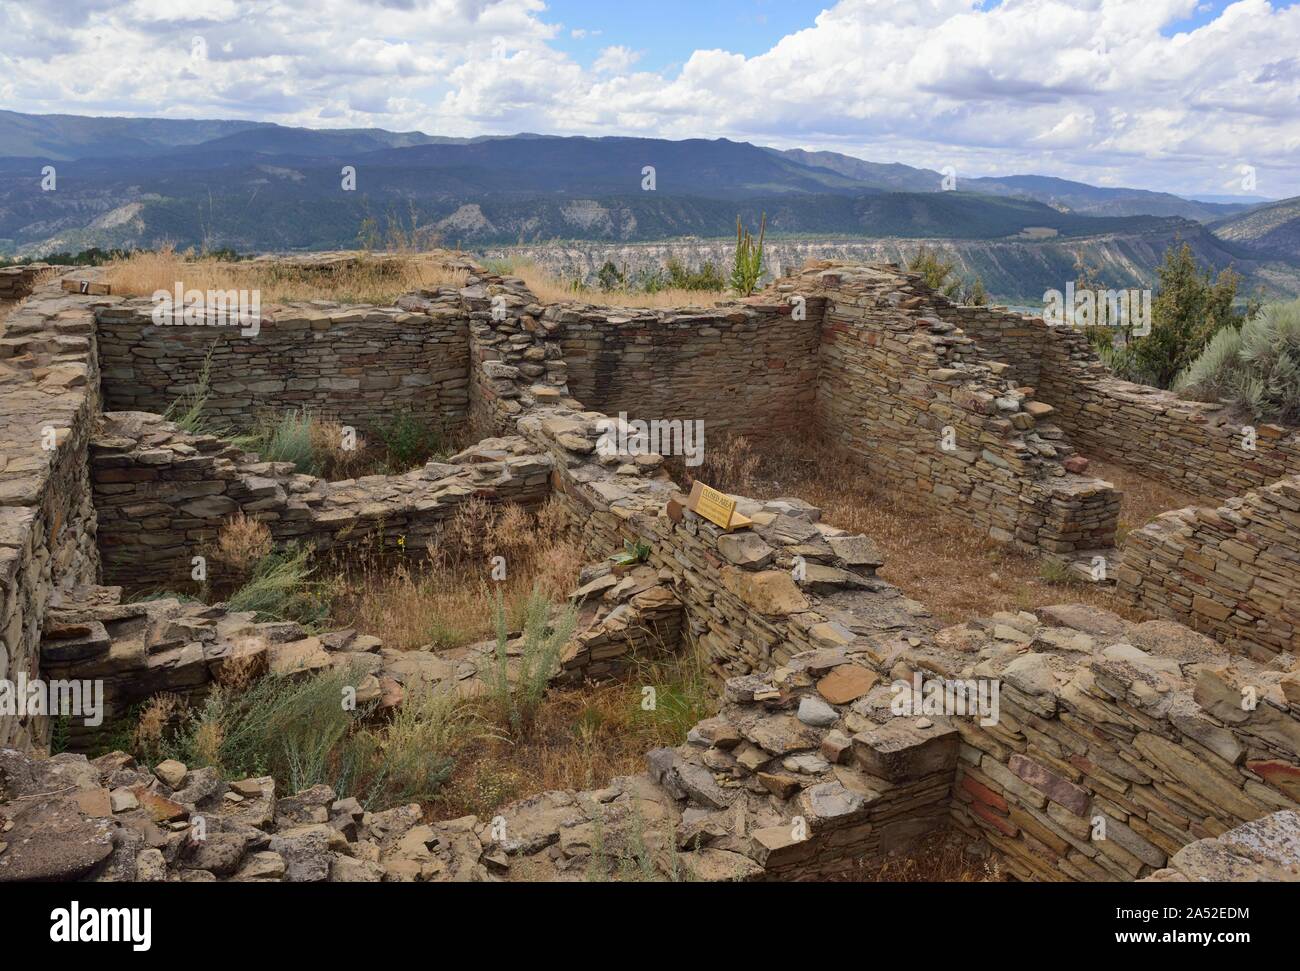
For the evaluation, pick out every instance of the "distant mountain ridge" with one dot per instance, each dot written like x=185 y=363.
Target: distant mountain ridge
x=1270 y=230
x=258 y=187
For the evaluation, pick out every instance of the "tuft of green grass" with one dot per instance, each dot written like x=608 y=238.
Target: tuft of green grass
x=187 y=410
x=303 y=732
x=281 y=588
x=409 y=442
x=539 y=655
x=284 y=438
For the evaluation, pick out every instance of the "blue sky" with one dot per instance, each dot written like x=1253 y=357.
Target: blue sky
x=668 y=31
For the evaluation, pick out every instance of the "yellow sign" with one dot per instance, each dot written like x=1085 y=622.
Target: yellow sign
x=716 y=507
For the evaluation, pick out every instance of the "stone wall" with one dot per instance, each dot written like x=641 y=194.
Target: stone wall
x=894 y=377
x=1232 y=572
x=162 y=496
x=1197 y=447
x=1013 y=341
x=515 y=355
x=48 y=402
x=744 y=369
x=1117 y=744
x=363 y=366
x=16 y=282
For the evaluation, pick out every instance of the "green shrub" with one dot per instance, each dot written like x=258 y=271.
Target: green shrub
x=413 y=752
x=707 y=278
x=518 y=699
x=610 y=278
x=941 y=276
x=747 y=264
x=285 y=727
x=299 y=731
x=410 y=442
x=280 y=588
x=1257 y=367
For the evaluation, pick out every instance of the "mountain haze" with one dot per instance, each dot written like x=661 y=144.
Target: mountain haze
x=124 y=182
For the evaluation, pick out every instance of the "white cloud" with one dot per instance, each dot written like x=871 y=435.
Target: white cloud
x=1086 y=89
x=615 y=60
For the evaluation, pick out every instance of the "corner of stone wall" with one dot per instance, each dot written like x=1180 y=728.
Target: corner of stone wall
x=47 y=520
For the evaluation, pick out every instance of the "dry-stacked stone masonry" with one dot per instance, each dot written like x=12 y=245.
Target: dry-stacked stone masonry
x=363 y=366
x=1119 y=750
x=162 y=495
x=16 y=281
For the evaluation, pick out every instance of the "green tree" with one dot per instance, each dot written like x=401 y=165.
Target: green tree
x=1190 y=306
x=609 y=277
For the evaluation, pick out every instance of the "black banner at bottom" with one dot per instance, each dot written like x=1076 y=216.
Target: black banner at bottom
x=335 y=921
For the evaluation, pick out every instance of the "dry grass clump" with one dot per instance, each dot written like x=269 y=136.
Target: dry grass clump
x=336 y=462
x=447 y=598
x=953 y=569
x=156 y=718
x=370 y=278
x=548 y=289
x=241 y=542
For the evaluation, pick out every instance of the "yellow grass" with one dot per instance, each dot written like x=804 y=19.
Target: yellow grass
x=367 y=278
x=446 y=599
x=548 y=289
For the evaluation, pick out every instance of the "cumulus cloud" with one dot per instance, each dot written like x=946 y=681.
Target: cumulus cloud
x=1090 y=89
x=615 y=60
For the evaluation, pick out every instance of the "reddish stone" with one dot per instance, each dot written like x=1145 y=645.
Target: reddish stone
x=984 y=794
x=160 y=808
x=1005 y=827
x=1059 y=790
x=1280 y=775
x=1076 y=464
x=847 y=683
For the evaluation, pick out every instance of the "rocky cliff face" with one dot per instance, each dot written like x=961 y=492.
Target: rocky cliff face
x=1014 y=270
